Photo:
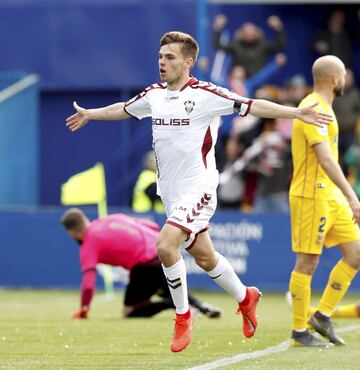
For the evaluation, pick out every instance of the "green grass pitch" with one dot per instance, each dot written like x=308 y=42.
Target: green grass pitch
x=36 y=333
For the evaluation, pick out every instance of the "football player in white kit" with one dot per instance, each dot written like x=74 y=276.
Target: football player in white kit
x=185 y=116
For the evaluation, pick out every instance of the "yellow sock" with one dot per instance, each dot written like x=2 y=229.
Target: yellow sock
x=300 y=289
x=339 y=281
x=346 y=310
x=311 y=311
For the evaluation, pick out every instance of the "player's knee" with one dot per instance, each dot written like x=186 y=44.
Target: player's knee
x=127 y=310
x=352 y=255
x=307 y=269
x=355 y=258
x=306 y=264
x=165 y=248
x=204 y=264
x=207 y=263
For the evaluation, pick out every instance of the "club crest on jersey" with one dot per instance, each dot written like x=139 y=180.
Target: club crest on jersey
x=189 y=106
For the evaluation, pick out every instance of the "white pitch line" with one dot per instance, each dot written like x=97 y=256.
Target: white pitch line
x=348 y=329
x=283 y=346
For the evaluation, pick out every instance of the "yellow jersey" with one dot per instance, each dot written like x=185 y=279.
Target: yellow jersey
x=309 y=179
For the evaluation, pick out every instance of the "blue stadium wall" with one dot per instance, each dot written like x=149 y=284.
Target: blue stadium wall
x=36 y=252
x=102 y=51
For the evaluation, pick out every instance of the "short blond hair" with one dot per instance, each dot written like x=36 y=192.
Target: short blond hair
x=189 y=47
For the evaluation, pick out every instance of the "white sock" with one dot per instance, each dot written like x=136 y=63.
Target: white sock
x=224 y=275
x=176 y=279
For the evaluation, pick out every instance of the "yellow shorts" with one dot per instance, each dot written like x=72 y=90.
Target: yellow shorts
x=315 y=223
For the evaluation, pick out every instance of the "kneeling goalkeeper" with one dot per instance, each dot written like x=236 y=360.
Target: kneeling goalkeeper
x=128 y=242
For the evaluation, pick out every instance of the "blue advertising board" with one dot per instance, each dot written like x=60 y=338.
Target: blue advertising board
x=37 y=253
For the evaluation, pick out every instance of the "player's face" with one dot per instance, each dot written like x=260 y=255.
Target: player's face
x=340 y=86
x=173 y=66
x=76 y=236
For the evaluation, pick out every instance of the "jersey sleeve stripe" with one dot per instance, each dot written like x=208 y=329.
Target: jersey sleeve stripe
x=249 y=103
x=242 y=107
x=191 y=81
x=144 y=92
x=213 y=92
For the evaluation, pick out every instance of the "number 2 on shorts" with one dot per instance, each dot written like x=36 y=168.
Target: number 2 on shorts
x=322 y=224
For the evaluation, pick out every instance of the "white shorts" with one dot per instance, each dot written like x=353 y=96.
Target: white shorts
x=191 y=214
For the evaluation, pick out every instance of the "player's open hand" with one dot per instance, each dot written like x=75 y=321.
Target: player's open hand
x=312 y=116
x=355 y=207
x=220 y=22
x=275 y=23
x=81 y=314
x=77 y=120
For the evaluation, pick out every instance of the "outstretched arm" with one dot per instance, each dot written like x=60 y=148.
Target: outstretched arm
x=220 y=22
x=267 y=109
x=87 y=292
x=83 y=116
x=277 y=25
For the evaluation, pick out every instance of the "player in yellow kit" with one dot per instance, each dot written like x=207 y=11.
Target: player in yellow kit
x=343 y=311
x=351 y=310
x=324 y=210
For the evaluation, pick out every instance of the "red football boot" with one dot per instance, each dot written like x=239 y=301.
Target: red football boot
x=182 y=331
x=248 y=309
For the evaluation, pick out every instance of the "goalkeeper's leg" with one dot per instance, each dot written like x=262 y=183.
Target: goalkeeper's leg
x=147 y=309
x=145 y=281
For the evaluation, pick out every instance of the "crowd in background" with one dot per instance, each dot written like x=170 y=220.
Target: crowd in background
x=254 y=156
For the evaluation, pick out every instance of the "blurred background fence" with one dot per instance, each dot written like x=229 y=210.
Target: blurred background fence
x=39 y=254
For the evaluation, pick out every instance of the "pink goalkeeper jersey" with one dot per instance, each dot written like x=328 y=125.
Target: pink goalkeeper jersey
x=184 y=126
x=118 y=240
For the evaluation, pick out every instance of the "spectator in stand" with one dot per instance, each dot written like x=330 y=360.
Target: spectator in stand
x=230 y=190
x=274 y=170
x=335 y=39
x=264 y=168
x=239 y=83
x=294 y=90
x=347 y=110
x=352 y=160
x=249 y=48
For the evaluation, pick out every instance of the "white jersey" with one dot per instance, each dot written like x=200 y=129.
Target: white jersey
x=185 y=125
